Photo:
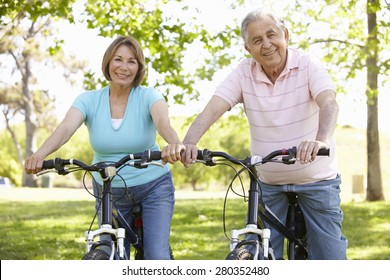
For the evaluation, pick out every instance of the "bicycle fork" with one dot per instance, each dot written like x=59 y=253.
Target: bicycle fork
x=106 y=229
x=251 y=228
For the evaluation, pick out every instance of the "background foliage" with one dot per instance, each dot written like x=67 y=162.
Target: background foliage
x=354 y=38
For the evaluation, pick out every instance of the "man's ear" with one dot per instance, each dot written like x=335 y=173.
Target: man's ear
x=247 y=49
x=286 y=35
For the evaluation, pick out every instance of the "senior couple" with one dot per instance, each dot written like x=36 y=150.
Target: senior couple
x=289 y=100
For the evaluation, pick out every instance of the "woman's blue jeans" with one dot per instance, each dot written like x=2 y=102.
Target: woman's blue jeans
x=320 y=204
x=157 y=201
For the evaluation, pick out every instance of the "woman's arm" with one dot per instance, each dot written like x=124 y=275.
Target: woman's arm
x=160 y=116
x=71 y=122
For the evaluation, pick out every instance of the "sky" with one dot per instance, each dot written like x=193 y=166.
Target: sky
x=86 y=45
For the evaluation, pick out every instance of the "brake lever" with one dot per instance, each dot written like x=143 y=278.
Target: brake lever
x=140 y=164
x=154 y=163
x=43 y=172
x=208 y=162
x=291 y=157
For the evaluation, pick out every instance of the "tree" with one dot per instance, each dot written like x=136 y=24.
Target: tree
x=374 y=175
x=166 y=30
x=350 y=46
x=27 y=42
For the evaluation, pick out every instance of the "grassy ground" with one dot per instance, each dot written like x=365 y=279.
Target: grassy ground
x=352 y=160
x=41 y=224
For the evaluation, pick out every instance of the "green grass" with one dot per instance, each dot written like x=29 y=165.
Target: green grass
x=37 y=230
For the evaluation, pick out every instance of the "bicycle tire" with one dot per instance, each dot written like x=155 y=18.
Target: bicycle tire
x=240 y=254
x=96 y=254
x=139 y=254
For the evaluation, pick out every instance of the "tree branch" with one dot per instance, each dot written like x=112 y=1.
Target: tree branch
x=5 y=112
x=317 y=41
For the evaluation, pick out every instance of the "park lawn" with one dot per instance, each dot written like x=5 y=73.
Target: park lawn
x=38 y=229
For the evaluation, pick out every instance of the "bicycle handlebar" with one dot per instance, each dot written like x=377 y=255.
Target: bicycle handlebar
x=206 y=156
x=144 y=158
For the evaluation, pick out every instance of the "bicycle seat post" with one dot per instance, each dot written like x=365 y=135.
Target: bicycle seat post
x=290 y=222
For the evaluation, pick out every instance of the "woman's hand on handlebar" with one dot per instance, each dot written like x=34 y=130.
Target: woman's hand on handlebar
x=308 y=150
x=172 y=153
x=33 y=164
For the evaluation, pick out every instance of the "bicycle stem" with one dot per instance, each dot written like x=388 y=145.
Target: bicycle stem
x=106 y=199
x=253 y=197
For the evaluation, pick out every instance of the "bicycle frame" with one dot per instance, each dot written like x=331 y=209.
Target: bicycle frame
x=257 y=211
x=108 y=210
x=107 y=222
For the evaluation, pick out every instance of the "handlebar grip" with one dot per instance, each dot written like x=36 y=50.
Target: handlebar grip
x=324 y=152
x=48 y=164
x=155 y=155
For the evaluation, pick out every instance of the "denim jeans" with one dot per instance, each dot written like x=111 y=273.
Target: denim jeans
x=157 y=201
x=320 y=204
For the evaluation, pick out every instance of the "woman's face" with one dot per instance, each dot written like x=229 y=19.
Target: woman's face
x=123 y=67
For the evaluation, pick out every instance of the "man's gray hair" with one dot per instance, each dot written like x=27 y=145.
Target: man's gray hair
x=255 y=16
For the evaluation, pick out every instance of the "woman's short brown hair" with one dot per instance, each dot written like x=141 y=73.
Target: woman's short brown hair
x=139 y=56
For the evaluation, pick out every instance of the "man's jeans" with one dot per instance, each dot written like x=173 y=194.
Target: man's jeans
x=320 y=204
x=157 y=201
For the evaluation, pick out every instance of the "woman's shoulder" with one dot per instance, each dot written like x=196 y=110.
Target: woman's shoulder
x=144 y=89
x=90 y=98
x=95 y=92
x=147 y=92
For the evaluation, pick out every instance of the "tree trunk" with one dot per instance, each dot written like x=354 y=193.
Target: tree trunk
x=374 y=175
x=31 y=128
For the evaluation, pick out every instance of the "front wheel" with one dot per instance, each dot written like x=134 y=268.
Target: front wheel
x=240 y=254
x=96 y=254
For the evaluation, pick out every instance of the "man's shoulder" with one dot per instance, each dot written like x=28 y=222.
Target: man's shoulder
x=247 y=62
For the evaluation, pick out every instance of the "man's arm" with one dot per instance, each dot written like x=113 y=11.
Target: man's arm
x=329 y=110
x=210 y=114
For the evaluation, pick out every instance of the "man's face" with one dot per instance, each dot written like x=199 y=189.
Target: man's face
x=267 y=44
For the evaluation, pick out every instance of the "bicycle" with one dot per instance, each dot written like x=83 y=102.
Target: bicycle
x=113 y=222
x=253 y=241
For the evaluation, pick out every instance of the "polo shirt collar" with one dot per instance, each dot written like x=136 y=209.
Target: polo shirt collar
x=292 y=62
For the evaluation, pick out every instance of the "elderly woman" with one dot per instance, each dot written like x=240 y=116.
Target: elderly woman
x=123 y=118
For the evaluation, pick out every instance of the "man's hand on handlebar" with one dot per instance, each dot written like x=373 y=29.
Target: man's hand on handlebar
x=188 y=156
x=307 y=150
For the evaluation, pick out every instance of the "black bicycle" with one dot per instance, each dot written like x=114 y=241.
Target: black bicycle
x=113 y=223
x=253 y=241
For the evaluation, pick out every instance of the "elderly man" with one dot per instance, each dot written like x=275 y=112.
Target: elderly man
x=289 y=100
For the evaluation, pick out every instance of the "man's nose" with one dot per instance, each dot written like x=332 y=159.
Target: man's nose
x=267 y=43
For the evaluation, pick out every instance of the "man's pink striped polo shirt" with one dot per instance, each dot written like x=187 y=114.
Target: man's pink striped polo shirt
x=283 y=114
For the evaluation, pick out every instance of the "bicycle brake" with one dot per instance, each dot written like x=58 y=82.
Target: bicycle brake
x=291 y=157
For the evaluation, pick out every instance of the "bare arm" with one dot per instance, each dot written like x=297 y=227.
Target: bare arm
x=329 y=110
x=160 y=116
x=210 y=114
x=72 y=121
